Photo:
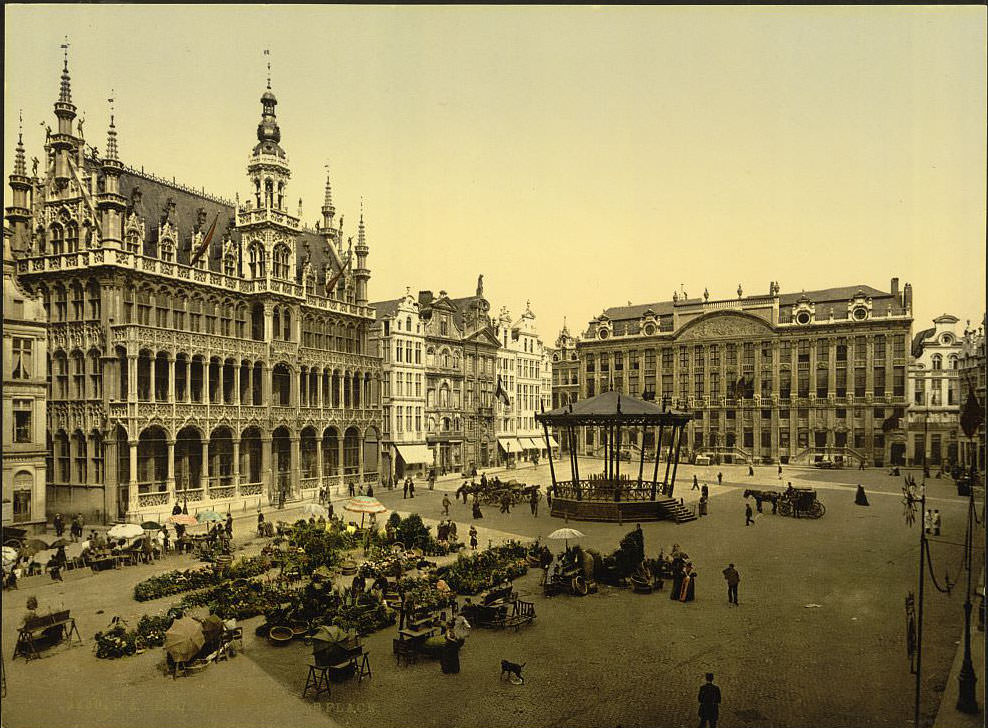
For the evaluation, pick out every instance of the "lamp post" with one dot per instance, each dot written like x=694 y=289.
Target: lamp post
x=967 y=702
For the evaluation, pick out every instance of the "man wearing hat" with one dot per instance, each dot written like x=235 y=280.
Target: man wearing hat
x=709 y=698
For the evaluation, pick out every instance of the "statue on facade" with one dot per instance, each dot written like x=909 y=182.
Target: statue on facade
x=706 y=295
x=740 y=291
x=480 y=285
x=82 y=120
x=675 y=296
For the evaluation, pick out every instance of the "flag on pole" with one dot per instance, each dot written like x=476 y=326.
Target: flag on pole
x=205 y=242
x=335 y=279
x=500 y=392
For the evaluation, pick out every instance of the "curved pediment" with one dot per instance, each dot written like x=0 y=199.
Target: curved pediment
x=725 y=325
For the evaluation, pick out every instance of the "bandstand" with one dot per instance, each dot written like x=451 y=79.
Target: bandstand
x=615 y=495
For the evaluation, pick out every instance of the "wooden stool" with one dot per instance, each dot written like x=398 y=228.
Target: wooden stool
x=318 y=680
x=364 y=669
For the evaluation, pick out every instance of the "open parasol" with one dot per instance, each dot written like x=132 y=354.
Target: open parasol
x=59 y=542
x=565 y=533
x=184 y=639
x=9 y=556
x=34 y=545
x=208 y=516
x=212 y=628
x=151 y=526
x=314 y=509
x=125 y=530
x=183 y=519
x=364 y=504
x=331 y=637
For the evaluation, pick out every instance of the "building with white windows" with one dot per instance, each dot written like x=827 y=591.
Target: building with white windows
x=524 y=367
x=25 y=395
x=934 y=392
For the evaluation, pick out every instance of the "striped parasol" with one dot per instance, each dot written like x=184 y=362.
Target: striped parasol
x=364 y=504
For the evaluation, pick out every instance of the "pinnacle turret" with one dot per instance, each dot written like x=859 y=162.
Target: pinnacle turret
x=111 y=137
x=20 y=167
x=65 y=90
x=361 y=232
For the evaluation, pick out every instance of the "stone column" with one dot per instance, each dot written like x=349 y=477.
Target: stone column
x=319 y=462
x=267 y=464
x=265 y=384
x=220 y=366
x=236 y=384
x=339 y=453
x=205 y=465
x=131 y=377
x=188 y=380
x=360 y=459
x=236 y=462
x=171 y=468
x=171 y=379
x=295 y=469
x=132 y=481
x=154 y=379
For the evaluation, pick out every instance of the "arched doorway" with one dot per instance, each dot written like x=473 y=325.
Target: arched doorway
x=189 y=480
x=372 y=455
x=281 y=459
x=307 y=457
x=330 y=453
x=220 y=470
x=351 y=451
x=152 y=461
x=251 y=477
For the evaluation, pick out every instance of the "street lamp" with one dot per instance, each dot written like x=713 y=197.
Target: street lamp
x=971 y=419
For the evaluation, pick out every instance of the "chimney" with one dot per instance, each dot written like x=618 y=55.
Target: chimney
x=907 y=298
x=895 y=287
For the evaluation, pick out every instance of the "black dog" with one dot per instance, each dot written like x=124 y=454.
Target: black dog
x=512 y=668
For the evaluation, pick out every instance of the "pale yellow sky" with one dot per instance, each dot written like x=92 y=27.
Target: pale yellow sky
x=579 y=157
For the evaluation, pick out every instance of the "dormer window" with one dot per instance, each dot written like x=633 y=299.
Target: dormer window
x=255 y=260
x=860 y=313
x=229 y=265
x=803 y=318
x=281 y=260
x=132 y=243
x=166 y=251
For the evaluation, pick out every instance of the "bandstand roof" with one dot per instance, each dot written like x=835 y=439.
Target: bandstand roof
x=613 y=408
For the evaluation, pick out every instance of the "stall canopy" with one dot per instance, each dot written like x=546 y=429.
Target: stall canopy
x=414 y=453
x=509 y=444
x=530 y=443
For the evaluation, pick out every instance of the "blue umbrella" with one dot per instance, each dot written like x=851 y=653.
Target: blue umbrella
x=206 y=516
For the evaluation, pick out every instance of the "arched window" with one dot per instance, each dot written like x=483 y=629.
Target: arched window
x=61 y=304
x=166 y=250
x=144 y=307
x=57 y=239
x=281 y=195
x=72 y=238
x=286 y=322
x=93 y=300
x=78 y=312
x=276 y=328
x=952 y=361
x=408 y=323
x=268 y=193
x=255 y=260
x=132 y=241
x=195 y=315
x=937 y=361
x=257 y=192
x=229 y=265
x=281 y=259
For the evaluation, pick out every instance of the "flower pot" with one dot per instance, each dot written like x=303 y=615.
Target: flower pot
x=280 y=636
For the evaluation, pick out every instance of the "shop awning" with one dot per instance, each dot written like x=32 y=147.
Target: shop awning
x=414 y=453
x=509 y=444
x=529 y=443
x=553 y=442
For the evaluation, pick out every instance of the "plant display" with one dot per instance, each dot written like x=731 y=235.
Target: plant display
x=367 y=615
x=629 y=554
x=178 y=581
x=413 y=533
x=421 y=593
x=384 y=562
x=118 y=641
x=472 y=574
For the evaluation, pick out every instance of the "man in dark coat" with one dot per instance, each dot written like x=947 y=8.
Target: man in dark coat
x=733 y=578
x=709 y=699
x=748 y=515
x=404 y=489
x=696 y=483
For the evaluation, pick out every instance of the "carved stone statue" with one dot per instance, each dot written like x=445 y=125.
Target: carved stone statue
x=740 y=291
x=675 y=296
x=34 y=166
x=706 y=295
x=480 y=285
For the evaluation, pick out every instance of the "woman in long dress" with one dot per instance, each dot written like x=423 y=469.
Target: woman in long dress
x=677 y=578
x=688 y=587
x=860 y=499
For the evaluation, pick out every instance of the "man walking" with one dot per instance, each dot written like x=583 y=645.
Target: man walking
x=936 y=521
x=780 y=472
x=696 y=484
x=720 y=478
x=404 y=488
x=709 y=698
x=733 y=578
x=446 y=504
x=411 y=487
x=533 y=501
x=748 y=515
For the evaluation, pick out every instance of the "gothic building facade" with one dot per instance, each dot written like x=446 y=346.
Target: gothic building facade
x=200 y=350
x=793 y=377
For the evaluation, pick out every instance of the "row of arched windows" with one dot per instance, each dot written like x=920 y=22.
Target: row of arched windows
x=322 y=332
x=75 y=375
x=75 y=302
x=63 y=237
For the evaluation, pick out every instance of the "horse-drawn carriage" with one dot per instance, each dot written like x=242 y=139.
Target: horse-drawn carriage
x=796 y=502
x=494 y=492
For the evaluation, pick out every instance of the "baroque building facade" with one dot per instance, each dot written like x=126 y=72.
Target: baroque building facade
x=524 y=371
x=222 y=364
x=439 y=356
x=794 y=377
x=565 y=376
x=933 y=415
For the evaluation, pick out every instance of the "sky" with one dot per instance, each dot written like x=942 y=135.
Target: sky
x=580 y=157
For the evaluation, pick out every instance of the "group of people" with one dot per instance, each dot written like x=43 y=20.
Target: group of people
x=75 y=527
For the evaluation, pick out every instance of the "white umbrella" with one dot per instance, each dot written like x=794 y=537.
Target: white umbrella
x=565 y=533
x=125 y=530
x=314 y=509
x=9 y=556
x=364 y=504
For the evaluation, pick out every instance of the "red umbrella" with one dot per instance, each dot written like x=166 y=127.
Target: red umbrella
x=183 y=519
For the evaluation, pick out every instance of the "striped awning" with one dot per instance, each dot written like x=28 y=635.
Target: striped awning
x=529 y=443
x=415 y=453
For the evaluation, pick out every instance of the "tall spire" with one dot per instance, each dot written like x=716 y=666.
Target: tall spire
x=65 y=92
x=19 y=166
x=361 y=236
x=328 y=199
x=111 y=134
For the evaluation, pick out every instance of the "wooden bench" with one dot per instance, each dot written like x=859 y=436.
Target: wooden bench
x=523 y=613
x=358 y=661
x=60 y=623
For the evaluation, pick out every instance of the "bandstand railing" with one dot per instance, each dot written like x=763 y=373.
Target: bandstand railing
x=599 y=489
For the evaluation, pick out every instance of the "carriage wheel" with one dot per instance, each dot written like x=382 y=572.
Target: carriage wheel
x=817 y=510
x=785 y=508
x=580 y=586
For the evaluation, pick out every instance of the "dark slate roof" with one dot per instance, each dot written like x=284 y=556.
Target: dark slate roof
x=612 y=404
x=155 y=194
x=385 y=309
x=919 y=340
x=839 y=295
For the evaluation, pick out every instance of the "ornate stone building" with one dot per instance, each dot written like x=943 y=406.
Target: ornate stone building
x=779 y=377
x=971 y=379
x=200 y=349
x=933 y=389
x=524 y=367
x=439 y=358
x=25 y=350
x=565 y=376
